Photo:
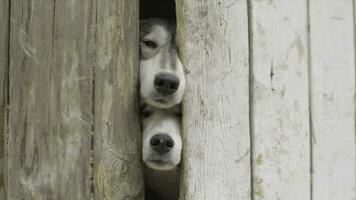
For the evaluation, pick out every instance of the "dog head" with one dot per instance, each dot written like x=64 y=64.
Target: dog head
x=162 y=142
x=162 y=81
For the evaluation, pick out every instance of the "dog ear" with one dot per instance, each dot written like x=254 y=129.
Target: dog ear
x=144 y=27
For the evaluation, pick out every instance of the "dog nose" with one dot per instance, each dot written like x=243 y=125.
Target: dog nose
x=166 y=84
x=161 y=143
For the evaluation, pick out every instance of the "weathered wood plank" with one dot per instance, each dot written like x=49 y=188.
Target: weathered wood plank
x=4 y=37
x=50 y=95
x=31 y=50
x=117 y=151
x=280 y=100
x=333 y=101
x=214 y=48
x=71 y=98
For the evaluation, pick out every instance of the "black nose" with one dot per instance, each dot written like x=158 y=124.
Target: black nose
x=161 y=143
x=166 y=84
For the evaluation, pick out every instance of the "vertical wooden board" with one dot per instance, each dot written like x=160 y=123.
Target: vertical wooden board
x=70 y=114
x=280 y=114
x=117 y=151
x=50 y=95
x=4 y=37
x=333 y=101
x=30 y=170
x=214 y=47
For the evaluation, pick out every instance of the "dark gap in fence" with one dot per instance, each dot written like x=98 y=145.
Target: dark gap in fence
x=251 y=116
x=92 y=135
x=165 y=9
x=157 y=9
x=311 y=131
x=6 y=103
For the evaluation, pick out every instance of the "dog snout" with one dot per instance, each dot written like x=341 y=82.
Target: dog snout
x=166 y=84
x=161 y=143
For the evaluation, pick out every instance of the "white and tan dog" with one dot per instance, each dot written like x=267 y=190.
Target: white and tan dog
x=162 y=143
x=162 y=81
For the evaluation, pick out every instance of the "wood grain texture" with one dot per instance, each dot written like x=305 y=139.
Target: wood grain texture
x=50 y=90
x=214 y=48
x=333 y=100
x=280 y=100
x=31 y=48
x=4 y=36
x=118 y=172
x=71 y=97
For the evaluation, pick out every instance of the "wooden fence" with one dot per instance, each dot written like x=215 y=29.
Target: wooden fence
x=269 y=111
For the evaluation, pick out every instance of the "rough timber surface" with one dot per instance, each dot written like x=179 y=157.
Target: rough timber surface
x=280 y=108
x=50 y=90
x=118 y=173
x=214 y=47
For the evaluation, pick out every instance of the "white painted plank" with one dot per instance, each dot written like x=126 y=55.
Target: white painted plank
x=333 y=100
x=216 y=161
x=280 y=114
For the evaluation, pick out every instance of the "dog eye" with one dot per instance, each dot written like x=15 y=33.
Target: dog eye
x=146 y=114
x=150 y=44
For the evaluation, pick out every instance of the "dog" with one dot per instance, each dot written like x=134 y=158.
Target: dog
x=161 y=136
x=161 y=151
x=162 y=81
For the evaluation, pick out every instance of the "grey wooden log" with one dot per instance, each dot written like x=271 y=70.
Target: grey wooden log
x=214 y=47
x=117 y=151
x=50 y=95
x=4 y=33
